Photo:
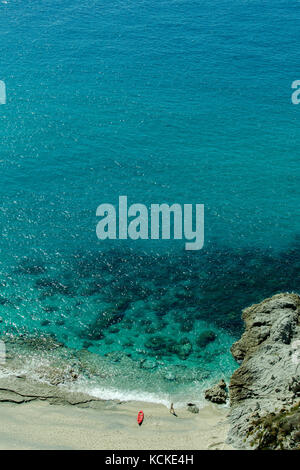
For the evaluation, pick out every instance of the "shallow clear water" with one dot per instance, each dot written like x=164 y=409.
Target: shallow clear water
x=167 y=101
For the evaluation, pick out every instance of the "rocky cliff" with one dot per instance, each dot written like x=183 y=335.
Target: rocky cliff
x=265 y=389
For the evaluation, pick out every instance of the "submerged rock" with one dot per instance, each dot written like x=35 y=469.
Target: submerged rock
x=50 y=309
x=105 y=319
x=37 y=343
x=268 y=379
x=183 y=349
x=148 y=364
x=218 y=393
x=170 y=376
x=55 y=375
x=30 y=266
x=158 y=343
x=162 y=345
x=115 y=356
x=186 y=327
x=205 y=338
x=4 y=300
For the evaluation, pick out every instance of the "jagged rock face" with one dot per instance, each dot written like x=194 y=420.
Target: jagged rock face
x=277 y=430
x=218 y=393
x=269 y=376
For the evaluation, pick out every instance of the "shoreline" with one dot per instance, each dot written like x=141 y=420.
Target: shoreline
x=37 y=415
x=41 y=363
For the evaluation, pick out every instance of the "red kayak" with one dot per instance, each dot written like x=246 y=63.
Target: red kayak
x=140 y=417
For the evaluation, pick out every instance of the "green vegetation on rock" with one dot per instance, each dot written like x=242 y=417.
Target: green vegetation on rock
x=277 y=431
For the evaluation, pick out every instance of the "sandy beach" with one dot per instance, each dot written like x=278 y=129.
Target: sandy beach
x=111 y=426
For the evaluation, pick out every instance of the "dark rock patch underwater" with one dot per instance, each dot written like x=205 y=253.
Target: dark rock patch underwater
x=171 y=307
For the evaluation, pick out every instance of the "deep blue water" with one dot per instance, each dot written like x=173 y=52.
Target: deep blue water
x=163 y=101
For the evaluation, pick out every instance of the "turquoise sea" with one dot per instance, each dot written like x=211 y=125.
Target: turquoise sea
x=175 y=101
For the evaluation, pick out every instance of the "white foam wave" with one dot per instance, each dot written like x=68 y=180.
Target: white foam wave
x=106 y=393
